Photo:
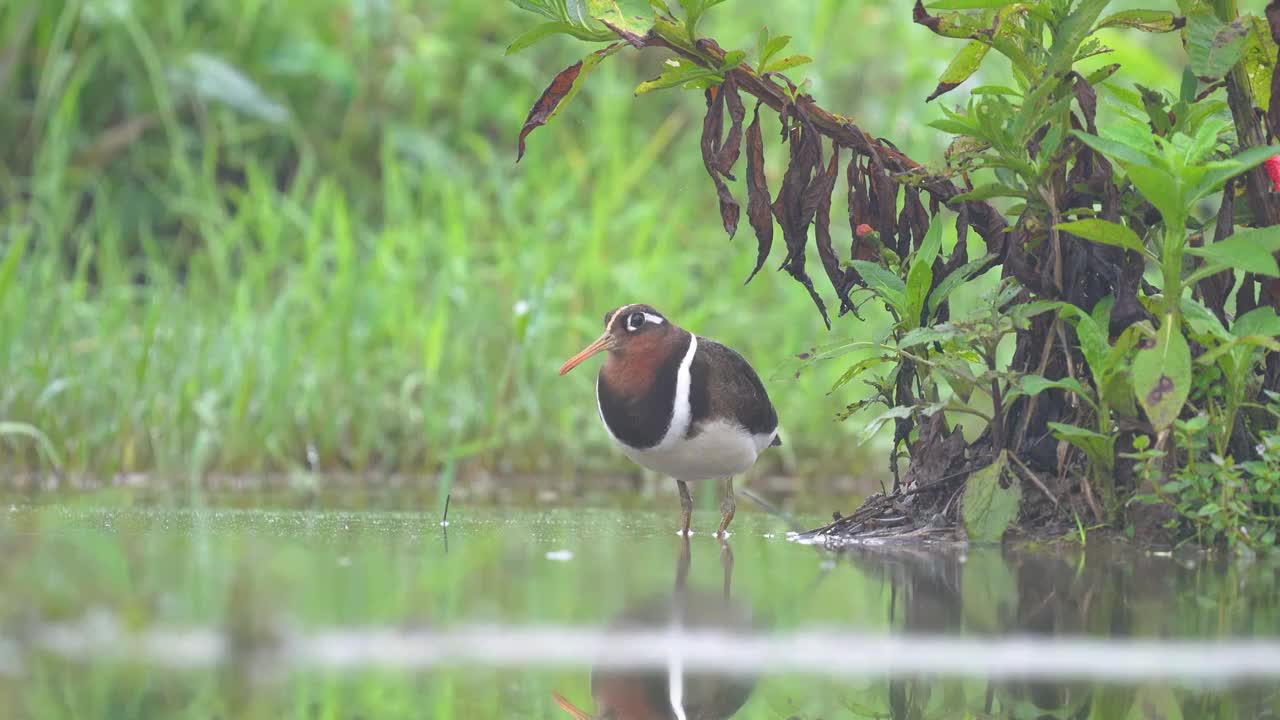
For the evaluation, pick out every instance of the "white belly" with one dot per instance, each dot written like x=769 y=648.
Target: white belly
x=720 y=450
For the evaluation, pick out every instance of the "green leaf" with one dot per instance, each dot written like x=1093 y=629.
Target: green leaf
x=1117 y=391
x=787 y=63
x=1220 y=172
x=1093 y=339
x=1153 y=21
x=1213 y=47
x=873 y=427
x=1101 y=313
x=1202 y=320
x=1071 y=33
x=995 y=90
x=1106 y=233
x=678 y=72
x=1026 y=311
x=1035 y=384
x=732 y=59
x=931 y=245
x=1160 y=188
x=955 y=127
x=920 y=276
x=926 y=335
x=1121 y=351
x=772 y=47
x=1259 y=59
x=1101 y=74
x=1122 y=151
x=537 y=33
x=989 y=509
x=986 y=191
x=856 y=369
x=959 y=376
x=693 y=9
x=968 y=4
x=1258 y=321
x=629 y=18
x=1100 y=448
x=1162 y=375
x=961 y=67
x=959 y=276
x=1242 y=341
x=1248 y=249
x=883 y=283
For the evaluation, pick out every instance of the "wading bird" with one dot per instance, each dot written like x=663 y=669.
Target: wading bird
x=679 y=404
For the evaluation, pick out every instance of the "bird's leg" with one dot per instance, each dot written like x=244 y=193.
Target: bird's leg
x=727 y=507
x=686 y=507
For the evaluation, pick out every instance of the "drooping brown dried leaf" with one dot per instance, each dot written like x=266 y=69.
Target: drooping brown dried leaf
x=882 y=192
x=546 y=105
x=562 y=87
x=859 y=212
x=758 y=202
x=796 y=204
x=711 y=127
x=729 y=149
x=1087 y=98
x=913 y=221
x=712 y=122
x=822 y=232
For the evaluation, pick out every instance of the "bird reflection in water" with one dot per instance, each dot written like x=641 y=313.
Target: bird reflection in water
x=672 y=694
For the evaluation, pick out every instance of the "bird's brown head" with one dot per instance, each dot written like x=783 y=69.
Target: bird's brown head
x=631 y=333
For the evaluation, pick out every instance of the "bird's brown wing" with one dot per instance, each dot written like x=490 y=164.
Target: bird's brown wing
x=723 y=384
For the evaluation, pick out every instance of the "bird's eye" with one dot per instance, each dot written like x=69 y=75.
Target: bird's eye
x=635 y=321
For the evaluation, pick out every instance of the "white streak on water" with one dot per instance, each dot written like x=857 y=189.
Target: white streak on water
x=830 y=652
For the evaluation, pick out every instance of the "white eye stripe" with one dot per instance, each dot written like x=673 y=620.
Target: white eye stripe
x=633 y=326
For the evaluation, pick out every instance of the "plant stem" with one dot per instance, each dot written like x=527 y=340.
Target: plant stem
x=1171 y=265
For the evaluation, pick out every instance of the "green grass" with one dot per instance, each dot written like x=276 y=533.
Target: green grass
x=251 y=236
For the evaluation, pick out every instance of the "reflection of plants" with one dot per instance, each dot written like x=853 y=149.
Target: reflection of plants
x=1117 y=293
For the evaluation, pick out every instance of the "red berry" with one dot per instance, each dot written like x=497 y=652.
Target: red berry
x=1272 y=164
x=864 y=228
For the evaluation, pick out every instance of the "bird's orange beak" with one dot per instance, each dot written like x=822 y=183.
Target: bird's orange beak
x=604 y=342
x=569 y=707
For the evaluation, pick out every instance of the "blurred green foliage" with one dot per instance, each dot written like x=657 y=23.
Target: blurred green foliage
x=277 y=235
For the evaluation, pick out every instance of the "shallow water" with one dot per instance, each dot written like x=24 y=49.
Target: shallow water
x=146 y=613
